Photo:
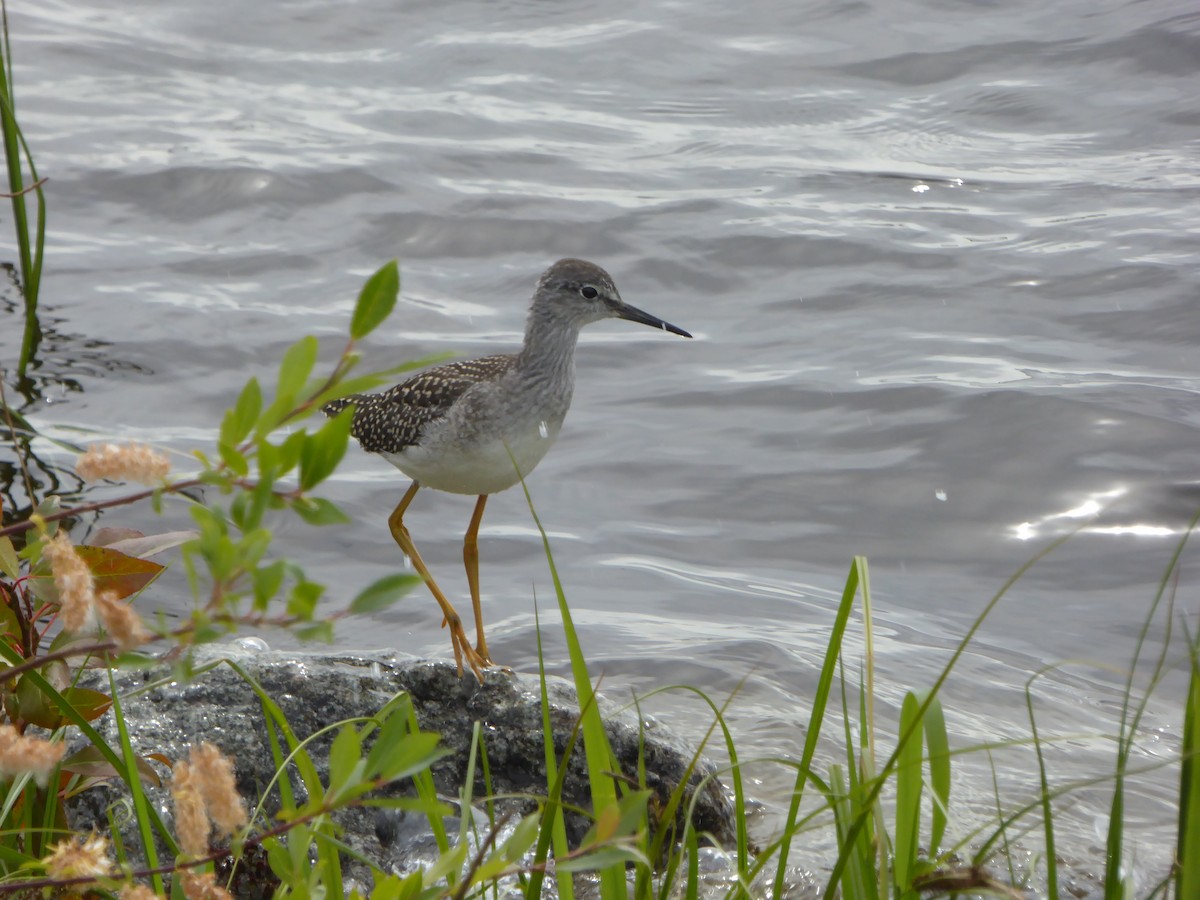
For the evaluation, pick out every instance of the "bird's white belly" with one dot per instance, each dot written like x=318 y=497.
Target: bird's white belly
x=481 y=468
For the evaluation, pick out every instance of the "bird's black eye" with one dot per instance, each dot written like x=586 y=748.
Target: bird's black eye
x=588 y=292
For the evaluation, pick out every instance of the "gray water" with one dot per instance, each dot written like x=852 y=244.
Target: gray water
x=938 y=259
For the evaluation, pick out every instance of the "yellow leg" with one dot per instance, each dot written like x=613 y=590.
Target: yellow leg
x=458 y=638
x=471 y=561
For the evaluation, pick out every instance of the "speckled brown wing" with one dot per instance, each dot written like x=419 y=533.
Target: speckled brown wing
x=391 y=420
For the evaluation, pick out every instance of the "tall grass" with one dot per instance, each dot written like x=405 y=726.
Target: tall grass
x=30 y=237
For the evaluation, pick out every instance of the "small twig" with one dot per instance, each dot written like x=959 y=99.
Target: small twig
x=177 y=487
x=25 y=190
x=21 y=527
x=64 y=653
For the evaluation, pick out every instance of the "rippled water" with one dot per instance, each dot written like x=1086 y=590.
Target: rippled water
x=938 y=259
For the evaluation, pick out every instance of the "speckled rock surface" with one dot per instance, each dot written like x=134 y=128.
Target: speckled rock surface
x=315 y=691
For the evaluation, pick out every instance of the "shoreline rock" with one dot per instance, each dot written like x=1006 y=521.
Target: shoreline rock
x=317 y=690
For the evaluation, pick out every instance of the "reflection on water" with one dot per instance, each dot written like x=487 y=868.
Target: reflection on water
x=60 y=365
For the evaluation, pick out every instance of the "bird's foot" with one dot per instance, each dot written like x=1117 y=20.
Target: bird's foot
x=461 y=645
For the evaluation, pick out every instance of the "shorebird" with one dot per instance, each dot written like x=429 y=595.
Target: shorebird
x=480 y=425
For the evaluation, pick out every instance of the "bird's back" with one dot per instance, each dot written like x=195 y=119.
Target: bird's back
x=391 y=420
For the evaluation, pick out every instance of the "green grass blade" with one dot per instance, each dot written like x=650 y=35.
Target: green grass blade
x=1187 y=877
x=853 y=886
x=906 y=837
x=959 y=650
x=304 y=764
x=597 y=752
x=553 y=827
x=427 y=791
x=30 y=253
x=1047 y=811
x=734 y=772
x=1115 y=881
x=937 y=740
x=134 y=782
x=692 y=891
x=817 y=715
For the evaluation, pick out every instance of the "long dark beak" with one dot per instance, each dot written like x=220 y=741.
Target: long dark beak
x=623 y=310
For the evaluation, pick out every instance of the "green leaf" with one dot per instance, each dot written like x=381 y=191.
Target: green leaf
x=294 y=370
x=938 y=742
x=392 y=732
x=319 y=511
x=240 y=420
x=255 y=502
x=253 y=545
x=322 y=451
x=908 y=794
x=49 y=506
x=303 y=600
x=620 y=821
x=8 y=559
x=318 y=631
x=289 y=451
x=392 y=888
x=383 y=593
x=279 y=859
x=234 y=458
x=345 y=757
x=451 y=861
x=522 y=838
x=633 y=813
x=238 y=510
x=375 y=301
x=412 y=753
x=268 y=460
x=297 y=365
x=489 y=869
x=268 y=580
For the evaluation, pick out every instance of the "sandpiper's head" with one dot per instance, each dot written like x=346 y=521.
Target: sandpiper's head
x=581 y=292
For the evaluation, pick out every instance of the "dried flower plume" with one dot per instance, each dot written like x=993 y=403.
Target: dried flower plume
x=202 y=886
x=191 y=824
x=74 y=582
x=20 y=754
x=214 y=775
x=123 y=462
x=79 y=857
x=203 y=789
x=120 y=620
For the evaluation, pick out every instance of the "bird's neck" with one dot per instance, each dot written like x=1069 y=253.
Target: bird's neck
x=549 y=347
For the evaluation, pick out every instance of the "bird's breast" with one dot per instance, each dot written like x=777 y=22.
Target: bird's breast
x=477 y=462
